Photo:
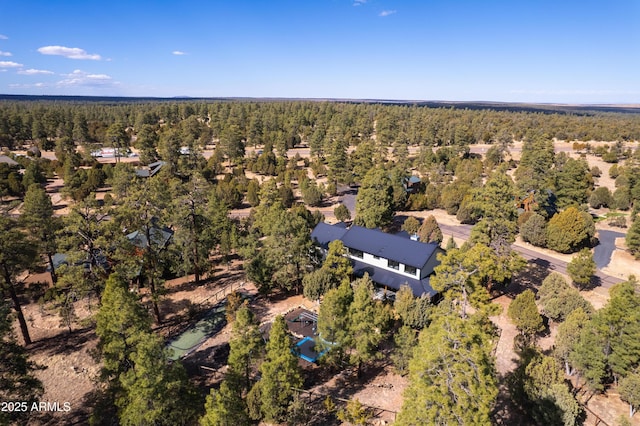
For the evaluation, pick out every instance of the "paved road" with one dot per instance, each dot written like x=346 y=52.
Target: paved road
x=348 y=198
x=600 y=278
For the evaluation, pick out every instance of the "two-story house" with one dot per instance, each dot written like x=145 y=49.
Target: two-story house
x=390 y=260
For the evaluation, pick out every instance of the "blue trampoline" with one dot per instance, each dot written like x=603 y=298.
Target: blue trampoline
x=306 y=349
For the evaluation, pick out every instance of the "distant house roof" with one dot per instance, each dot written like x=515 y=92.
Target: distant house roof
x=393 y=280
x=8 y=160
x=324 y=233
x=389 y=246
x=150 y=170
x=159 y=237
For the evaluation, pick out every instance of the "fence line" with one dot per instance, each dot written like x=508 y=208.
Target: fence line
x=319 y=395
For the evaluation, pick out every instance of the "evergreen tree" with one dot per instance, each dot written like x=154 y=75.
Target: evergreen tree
x=411 y=225
x=17 y=382
x=573 y=183
x=524 y=314
x=538 y=386
x=534 y=230
x=453 y=381
x=37 y=216
x=569 y=230
x=280 y=372
x=342 y=213
x=633 y=239
x=120 y=325
x=246 y=348
x=429 y=231
x=368 y=321
x=333 y=319
x=224 y=407
x=582 y=267
x=568 y=336
x=618 y=322
x=374 y=203
x=335 y=269
x=155 y=392
x=17 y=253
x=405 y=340
x=630 y=391
x=588 y=356
x=414 y=312
x=194 y=236
x=558 y=299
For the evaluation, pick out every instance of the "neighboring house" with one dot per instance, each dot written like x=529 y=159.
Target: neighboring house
x=411 y=184
x=159 y=237
x=390 y=260
x=8 y=160
x=150 y=170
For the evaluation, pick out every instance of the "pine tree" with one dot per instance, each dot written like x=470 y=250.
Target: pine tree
x=368 y=320
x=630 y=391
x=618 y=322
x=568 y=337
x=246 y=348
x=405 y=342
x=155 y=392
x=374 y=204
x=37 y=216
x=633 y=239
x=558 y=299
x=453 y=381
x=17 y=253
x=569 y=230
x=333 y=319
x=17 y=381
x=414 y=312
x=120 y=325
x=193 y=236
x=588 y=356
x=224 y=407
x=280 y=372
x=582 y=267
x=534 y=230
x=524 y=314
x=429 y=231
x=342 y=213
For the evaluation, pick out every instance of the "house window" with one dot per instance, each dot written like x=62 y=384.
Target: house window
x=376 y=257
x=410 y=270
x=393 y=264
x=356 y=253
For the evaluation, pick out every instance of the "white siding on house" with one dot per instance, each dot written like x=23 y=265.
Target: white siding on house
x=382 y=264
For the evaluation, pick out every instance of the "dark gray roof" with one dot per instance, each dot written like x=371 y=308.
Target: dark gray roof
x=393 y=280
x=8 y=160
x=160 y=237
x=389 y=246
x=152 y=169
x=324 y=233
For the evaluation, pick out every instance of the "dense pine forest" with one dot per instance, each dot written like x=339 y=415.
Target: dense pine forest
x=242 y=183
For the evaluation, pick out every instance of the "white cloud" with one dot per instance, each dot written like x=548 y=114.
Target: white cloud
x=178 y=53
x=27 y=86
x=69 y=52
x=9 y=64
x=5 y=53
x=387 y=13
x=359 y=2
x=3 y=37
x=82 y=78
x=32 y=71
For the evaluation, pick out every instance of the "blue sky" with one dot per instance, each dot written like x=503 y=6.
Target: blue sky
x=520 y=50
